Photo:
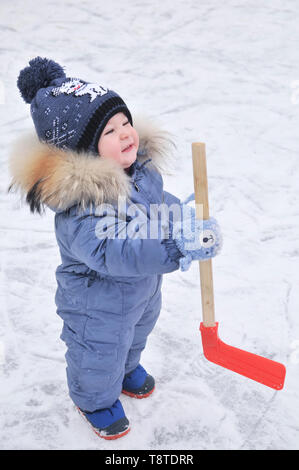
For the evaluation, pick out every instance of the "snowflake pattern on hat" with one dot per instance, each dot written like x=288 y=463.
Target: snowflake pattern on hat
x=53 y=136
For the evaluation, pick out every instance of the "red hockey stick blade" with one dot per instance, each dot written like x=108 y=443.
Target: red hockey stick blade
x=250 y=365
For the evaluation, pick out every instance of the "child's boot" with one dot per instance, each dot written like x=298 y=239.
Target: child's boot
x=138 y=383
x=109 y=423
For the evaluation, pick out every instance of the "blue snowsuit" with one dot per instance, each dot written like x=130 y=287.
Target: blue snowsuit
x=109 y=295
x=108 y=289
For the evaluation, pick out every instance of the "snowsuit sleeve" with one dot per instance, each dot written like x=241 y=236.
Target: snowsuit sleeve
x=169 y=198
x=124 y=256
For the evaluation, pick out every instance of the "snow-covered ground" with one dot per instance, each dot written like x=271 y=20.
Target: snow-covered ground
x=225 y=73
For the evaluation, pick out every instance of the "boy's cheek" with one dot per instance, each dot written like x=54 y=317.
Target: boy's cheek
x=136 y=139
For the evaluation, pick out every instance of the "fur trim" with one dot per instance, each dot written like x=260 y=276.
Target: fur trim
x=47 y=175
x=155 y=143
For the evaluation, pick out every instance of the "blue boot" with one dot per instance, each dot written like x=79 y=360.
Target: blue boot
x=109 y=423
x=138 y=383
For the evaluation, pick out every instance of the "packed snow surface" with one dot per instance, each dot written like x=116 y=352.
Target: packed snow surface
x=223 y=73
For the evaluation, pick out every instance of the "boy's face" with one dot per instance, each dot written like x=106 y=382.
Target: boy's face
x=119 y=141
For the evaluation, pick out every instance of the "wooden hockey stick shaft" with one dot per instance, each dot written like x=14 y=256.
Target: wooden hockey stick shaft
x=202 y=212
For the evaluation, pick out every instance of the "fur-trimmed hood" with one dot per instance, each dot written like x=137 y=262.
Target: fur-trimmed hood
x=59 y=179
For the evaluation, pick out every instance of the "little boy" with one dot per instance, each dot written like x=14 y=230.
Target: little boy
x=88 y=157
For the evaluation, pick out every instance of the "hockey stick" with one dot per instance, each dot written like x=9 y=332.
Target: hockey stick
x=255 y=367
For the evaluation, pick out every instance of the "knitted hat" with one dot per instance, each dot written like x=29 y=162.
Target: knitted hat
x=69 y=113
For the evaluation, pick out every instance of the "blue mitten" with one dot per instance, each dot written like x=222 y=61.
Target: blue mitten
x=195 y=238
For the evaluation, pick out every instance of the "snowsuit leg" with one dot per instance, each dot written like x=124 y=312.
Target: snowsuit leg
x=104 y=344
x=144 y=327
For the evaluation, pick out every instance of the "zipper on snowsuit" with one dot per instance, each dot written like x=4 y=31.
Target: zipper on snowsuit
x=138 y=170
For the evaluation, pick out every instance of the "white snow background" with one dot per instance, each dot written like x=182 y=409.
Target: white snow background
x=223 y=73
